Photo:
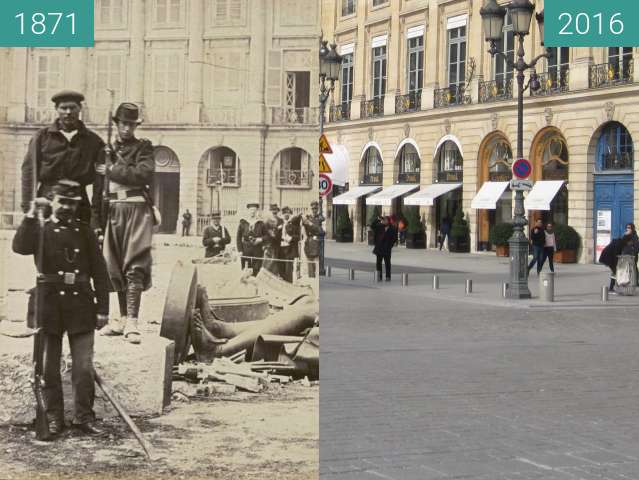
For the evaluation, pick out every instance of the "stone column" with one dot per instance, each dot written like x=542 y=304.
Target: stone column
x=580 y=69
x=137 y=59
x=17 y=105
x=194 y=97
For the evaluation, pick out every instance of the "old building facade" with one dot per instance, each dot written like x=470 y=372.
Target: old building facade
x=428 y=118
x=228 y=89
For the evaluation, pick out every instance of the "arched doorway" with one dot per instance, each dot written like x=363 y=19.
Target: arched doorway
x=166 y=187
x=371 y=173
x=495 y=163
x=219 y=179
x=449 y=165
x=549 y=154
x=613 y=189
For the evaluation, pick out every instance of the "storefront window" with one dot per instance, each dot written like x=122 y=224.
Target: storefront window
x=373 y=167
x=614 y=149
x=450 y=163
x=554 y=166
x=409 y=165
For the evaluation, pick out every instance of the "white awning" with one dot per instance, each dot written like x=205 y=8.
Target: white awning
x=488 y=195
x=350 y=197
x=386 y=196
x=379 y=41
x=417 y=31
x=426 y=196
x=338 y=161
x=541 y=195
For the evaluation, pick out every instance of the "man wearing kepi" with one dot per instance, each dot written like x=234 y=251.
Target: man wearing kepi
x=70 y=259
x=65 y=149
x=215 y=237
x=129 y=228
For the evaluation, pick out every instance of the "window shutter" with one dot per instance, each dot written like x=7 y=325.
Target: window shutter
x=220 y=11
x=274 y=78
x=236 y=11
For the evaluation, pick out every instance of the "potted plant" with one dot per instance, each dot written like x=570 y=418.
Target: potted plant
x=415 y=231
x=459 y=240
x=499 y=236
x=372 y=215
x=344 y=227
x=568 y=243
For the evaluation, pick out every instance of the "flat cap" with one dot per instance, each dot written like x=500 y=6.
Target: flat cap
x=67 y=96
x=253 y=204
x=216 y=214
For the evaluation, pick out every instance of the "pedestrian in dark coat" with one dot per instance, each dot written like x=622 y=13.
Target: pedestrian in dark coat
x=215 y=237
x=610 y=255
x=187 y=218
x=630 y=228
x=385 y=240
x=290 y=233
x=444 y=230
x=129 y=168
x=250 y=239
x=70 y=260
x=312 y=229
x=272 y=238
x=66 y=149
x=538 y=240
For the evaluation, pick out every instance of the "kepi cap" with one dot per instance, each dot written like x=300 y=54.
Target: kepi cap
x=69 y=189
x=216 y=214
x=127 y=112
x=253 y=204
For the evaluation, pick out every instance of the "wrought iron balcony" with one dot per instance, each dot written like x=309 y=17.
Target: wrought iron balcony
x=372 y=108
x=408 y=177
x=495 y=90
x=295 y=116
x=552 y=83
x=223 y=177
x=293 y=178
x=372 y=179
x=611 y=74
x=411 y=102
x=339 y=113
x=453 y=95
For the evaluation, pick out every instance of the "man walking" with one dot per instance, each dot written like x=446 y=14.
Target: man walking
x=444 y=230
x=186 y=223
x=68 y=259
x=538 y=240
x=250 y=239
x=129 y=228
x=215 y=237
x=313 y=228
x=385 y=240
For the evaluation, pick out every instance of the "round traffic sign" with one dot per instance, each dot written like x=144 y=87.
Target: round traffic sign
x=522 y=168
x=325 y=184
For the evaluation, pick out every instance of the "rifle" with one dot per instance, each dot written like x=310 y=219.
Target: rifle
x=104 y=206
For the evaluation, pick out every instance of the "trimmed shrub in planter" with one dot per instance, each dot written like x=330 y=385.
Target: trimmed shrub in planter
x=459 y=240
x=415 y=232
x=344 y=228
x=499 y=236
x=568 y=243
x=374 y=213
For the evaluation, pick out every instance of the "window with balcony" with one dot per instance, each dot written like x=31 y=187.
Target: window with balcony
x=348 y=7
x=620 y=63
x=168 y=12
x=223 y=168
x=109 y=13
x=504 y=74
x=379 y=72
x=415 y=64
x=614 y=149
x=373 y=167
x=342 y=111
x=297 y=99
x=456 y=64
x=294 y=168
x=555 y=79
x=228 y=12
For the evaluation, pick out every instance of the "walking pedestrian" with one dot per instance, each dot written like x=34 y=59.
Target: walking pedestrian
x=68 y=260
x=215 y=237
x=550 y=245
x=129 y=229
x=186 y=223
x=385 y=240
x=444 y=231
x=538 y=240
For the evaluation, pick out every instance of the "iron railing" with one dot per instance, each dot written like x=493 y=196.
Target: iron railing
x=372 y=179
x=408 y=177
x=453 y=95
x=295 y=116
x=411 y=102
x=495 y=90
x=338 y=113
x=294 y=178
x=552 y=83
x=225 y=176
x=611 y=74
x=372 y=108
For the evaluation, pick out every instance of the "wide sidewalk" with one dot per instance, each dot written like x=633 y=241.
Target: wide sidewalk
x=576 y=285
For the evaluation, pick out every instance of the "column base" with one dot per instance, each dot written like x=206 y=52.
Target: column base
x=518 y=287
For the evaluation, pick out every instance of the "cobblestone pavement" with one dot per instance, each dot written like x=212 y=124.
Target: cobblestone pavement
x=426 y=387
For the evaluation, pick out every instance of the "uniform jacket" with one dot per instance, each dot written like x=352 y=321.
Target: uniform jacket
x=57 y=158
x=212 y=248
x=291 y=232
x=385 y=238
x=248 y=237
x=68 y=247
x=313 y=228
x=133 y=165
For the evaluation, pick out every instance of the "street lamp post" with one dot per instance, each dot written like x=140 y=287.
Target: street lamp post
x=330 y=62
x=492 y=15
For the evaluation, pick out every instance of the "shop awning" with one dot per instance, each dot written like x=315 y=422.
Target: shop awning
x=338 y=161
x=488 y=195
x=385 y=197
x=350 y=197
x=427 y=195
x=541 y=195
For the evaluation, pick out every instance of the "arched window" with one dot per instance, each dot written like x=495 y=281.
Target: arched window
x=373 y=167
x=409 y=164
x=294 y=168
x=614 y=149
x=553 y=155
x=223 y=167
x=500 y=159
x=450 y=163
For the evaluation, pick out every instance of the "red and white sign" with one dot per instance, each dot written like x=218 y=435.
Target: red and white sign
x=325 y=184
x=522 y=168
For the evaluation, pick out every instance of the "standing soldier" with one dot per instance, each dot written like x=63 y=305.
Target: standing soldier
x=129 y=227
x=250 y=239
x=289 y=242
x=68 y=259
x=313 y=228
x=186 y=223
x=65 y=149
x=215 y=237
x=272 y=240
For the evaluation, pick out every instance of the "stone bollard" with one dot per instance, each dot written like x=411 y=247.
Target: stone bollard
x=547 y=286
x=404 y=279
x=604 y=293
x=469 y=286
x=351 y=274
x=435 y=282
x=504 y=290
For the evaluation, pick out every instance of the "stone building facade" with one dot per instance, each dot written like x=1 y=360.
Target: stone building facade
x=228 y=91
x=423 y=108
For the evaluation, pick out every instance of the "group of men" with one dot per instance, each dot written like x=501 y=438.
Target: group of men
x=75 y=242
x=270 y=241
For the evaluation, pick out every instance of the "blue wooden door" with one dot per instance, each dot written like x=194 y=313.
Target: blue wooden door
x=615 y=193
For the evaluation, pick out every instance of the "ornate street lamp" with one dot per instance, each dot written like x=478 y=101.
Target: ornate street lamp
x=492 y=15
x=330 y=63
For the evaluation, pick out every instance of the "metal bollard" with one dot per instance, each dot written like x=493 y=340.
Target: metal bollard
x=547 y=286
x=376 y=277
x=504 y=290
x=328 y=270
x=404 y=279
x=604 y=293
x=435 y=282
x=469 y=286
x=351 y=274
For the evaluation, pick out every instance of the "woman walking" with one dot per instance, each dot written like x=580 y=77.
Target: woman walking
x=385 y=240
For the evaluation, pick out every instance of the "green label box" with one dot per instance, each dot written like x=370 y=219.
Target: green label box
x=591 y=23
x=46 y=23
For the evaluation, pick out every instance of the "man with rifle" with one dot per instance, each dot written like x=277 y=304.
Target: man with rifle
x=123 y=180
x=67 y=258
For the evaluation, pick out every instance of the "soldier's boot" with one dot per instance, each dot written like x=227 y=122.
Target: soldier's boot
x=116 y=326
x=133 y=297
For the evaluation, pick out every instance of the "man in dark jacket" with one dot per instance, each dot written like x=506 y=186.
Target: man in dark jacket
x=385 y=240
x=250 y=239
x=70 y=260
x=215 y=237
x=129 y=229
x=272 y=237
x=313 y=230
x=290 y=233
x=64 y=150
x=187 y=218
x=538 y=240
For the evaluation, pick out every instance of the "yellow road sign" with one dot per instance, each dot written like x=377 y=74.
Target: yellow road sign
x=324 y=167
x=324 y=146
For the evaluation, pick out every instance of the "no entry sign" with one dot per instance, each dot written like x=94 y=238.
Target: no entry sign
x=325 y=184
x=522 y=168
